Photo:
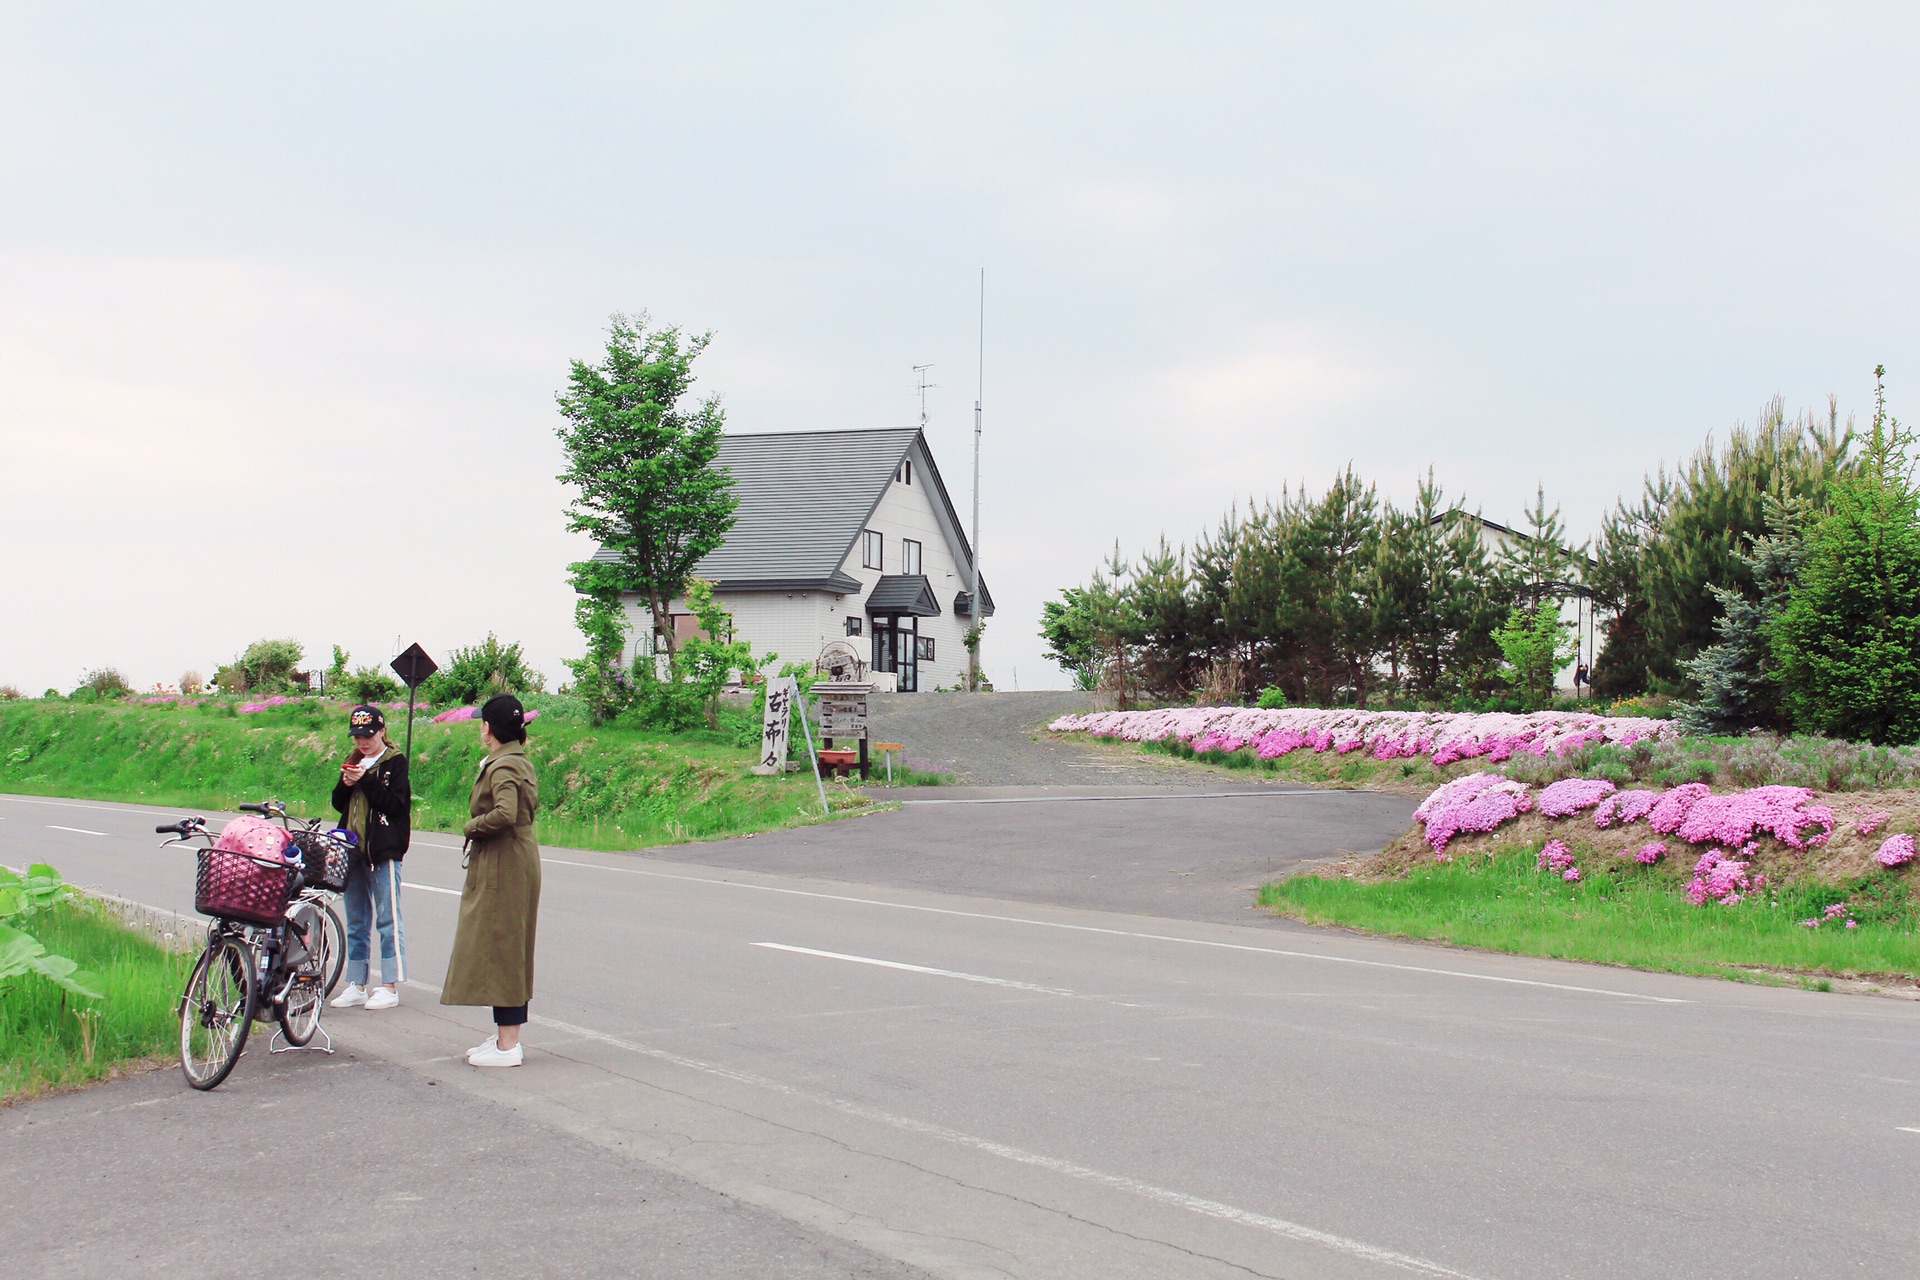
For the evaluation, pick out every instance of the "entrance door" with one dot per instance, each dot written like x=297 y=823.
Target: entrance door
x=896 y=649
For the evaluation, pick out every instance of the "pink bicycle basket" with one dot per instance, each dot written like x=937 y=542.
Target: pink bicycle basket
x=245 y=875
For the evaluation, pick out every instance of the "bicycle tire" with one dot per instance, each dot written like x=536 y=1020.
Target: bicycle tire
x=336 y=947
x=216 y=1012
x=300 y=1015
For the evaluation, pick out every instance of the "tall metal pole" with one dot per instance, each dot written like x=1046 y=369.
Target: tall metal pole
x=979 y=607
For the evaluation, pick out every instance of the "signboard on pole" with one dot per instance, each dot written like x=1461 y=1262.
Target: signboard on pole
x=412 y=667
x=776 y=725
x=843 y=709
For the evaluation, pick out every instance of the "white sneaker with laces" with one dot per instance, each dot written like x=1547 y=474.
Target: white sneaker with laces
x=495 y=1056
x=382 y=998
x=352 y=998
x=490 y=1043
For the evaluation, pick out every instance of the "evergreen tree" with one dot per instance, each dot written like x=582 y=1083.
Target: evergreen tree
x=1848 y=643
x=1739 y=689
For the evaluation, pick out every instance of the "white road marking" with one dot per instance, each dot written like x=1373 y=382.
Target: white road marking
x=428 y=888
x=1169 y=795
x=1902 y=1128
x=1129 y=933
x=917 y=968
x=79 y=831
x=1134 y=1186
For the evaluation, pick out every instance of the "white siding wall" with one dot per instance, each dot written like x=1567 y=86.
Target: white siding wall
x=798 y=624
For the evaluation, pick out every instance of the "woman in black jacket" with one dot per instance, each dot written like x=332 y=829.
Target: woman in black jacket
x=375 y=802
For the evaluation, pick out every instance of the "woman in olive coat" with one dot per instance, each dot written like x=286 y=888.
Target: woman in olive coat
x=492 y=961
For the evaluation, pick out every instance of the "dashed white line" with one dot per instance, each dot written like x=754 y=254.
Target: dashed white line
x=79 y=831
x=427 y=888
x=1903 y=1129
x=1129 y=933
x=1132 y=1186
x=919 y=968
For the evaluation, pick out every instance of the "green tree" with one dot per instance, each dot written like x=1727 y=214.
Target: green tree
x=1069 y=627
x=477 y=672
x=1739 y=689
x=1848 y=643
x=1536 y=642
x=598 y=679
x=643 y=465
x=268 y=665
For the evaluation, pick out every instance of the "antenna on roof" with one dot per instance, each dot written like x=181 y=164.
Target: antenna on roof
x=925 y=386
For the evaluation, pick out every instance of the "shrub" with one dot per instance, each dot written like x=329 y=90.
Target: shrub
x=268 y=665
x=192 y=682
x=1536 y=643
x=477 y=673
x=1272 y=698
x=8 y=693
x=369 y=684
x=103 y=685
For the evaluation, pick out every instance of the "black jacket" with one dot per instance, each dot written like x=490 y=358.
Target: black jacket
x=389 y=807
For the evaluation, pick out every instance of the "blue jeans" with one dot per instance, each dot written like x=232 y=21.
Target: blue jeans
x=373 y=900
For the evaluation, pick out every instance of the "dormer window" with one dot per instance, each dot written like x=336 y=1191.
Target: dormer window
x=905 y=474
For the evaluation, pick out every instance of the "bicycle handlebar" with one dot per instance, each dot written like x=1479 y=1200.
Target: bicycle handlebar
x=251 y=808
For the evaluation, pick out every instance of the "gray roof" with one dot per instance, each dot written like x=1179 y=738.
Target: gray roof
x=804 y=497
x=963 y=602
x=903 y=593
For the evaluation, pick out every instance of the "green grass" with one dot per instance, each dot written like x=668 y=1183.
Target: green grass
x=612 y=787
x=1619 y=915
x=49 y=1039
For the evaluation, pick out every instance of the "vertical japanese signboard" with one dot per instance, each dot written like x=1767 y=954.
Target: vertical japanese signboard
x=776 y=725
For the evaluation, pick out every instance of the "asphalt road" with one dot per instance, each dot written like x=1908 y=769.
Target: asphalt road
x=977 y=1087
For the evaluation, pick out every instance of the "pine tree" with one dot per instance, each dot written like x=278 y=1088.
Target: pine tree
x=1848 y=642
x=1739 y=689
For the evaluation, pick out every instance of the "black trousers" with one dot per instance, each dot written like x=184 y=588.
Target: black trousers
x=509 y=1015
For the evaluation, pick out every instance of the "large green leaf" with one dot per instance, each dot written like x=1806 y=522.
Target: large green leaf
x=21 y=953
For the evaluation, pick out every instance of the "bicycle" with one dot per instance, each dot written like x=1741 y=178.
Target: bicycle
x=275 y=948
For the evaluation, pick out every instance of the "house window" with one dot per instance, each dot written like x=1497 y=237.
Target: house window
x=853 y=626
x=923 y=648
x=905 y=474
x=909 y=556
x=874 y=544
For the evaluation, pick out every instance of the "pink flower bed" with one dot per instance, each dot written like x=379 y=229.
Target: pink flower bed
x=1441 y=737
x=1719 y=877
x=1872 y=822
x=1838 y=911
x=1478 y=802
x=1624 y=807
x=1651 y=853
x=1897 y=851
x=458 y=714
x=1557 y=857
x=266 y=704
x=1569 y=796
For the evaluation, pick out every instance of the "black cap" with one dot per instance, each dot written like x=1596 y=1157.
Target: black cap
x=506 y=718
x=365 y=721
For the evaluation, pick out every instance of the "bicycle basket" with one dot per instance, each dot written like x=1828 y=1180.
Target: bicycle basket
x=325 y=855
x=256 y=836
x=235 y=887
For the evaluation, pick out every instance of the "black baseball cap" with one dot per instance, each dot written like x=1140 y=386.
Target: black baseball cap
x=505 y=717
x=365 y=721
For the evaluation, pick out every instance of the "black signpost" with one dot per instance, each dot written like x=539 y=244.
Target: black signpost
x=413 y=666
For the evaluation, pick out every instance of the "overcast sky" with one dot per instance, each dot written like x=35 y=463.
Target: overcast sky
x=285 y=298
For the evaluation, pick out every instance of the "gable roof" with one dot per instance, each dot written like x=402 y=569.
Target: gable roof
x=804 y=498
x=903 y=593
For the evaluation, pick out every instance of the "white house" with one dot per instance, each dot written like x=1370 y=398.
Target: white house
x=841 y=535
x=1576 y=605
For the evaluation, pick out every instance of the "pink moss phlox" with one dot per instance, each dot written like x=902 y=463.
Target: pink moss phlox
x=1833 y=912
x=1476 y=803
x=1572 y=795
x=265 y=704
x=1782 y=812
x=1554 y=856
x=1624 y=807
x=1442 y=737
x=1670 y=810
x=1897 y=851
x=1718 y=878
x=1651 y=853
x=1872 y=822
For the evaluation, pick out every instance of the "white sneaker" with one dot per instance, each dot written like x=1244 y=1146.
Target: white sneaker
x=382 y=998
x=485 y=1046
x=495 y=1056
x=352 y=998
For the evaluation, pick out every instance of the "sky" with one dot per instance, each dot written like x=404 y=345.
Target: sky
x=285 y=297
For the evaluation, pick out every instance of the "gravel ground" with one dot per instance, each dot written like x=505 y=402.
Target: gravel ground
x=1000 y=739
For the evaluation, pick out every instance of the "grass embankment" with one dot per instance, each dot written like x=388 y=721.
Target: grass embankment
x=49 y=1039
x=1617 y=915
x=611 y=787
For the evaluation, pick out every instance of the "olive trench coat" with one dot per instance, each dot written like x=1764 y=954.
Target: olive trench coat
x=492 y=959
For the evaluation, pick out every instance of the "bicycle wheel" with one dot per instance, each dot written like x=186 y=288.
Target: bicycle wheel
x=216 y=1012
x=336 y=933
x=300 y=1014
